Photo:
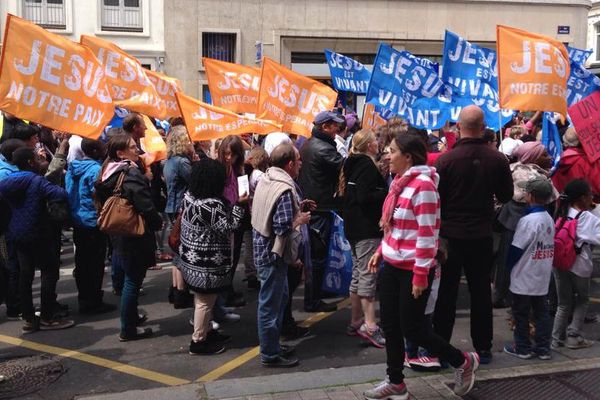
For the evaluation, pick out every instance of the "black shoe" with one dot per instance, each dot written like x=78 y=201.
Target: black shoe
x=217 y=337
x=322 y=307
x=182 y=299
x=141 y=318
x=286 y=351
x=205 y=348
x=281 y=362
x=253 y=283
x=235 y=299
x=138 y=335
x=294 y=332
x=500 y=304
x=485 y=356
x=101 y=308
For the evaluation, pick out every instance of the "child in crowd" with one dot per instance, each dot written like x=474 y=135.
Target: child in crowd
x=530 y=262
x=573 y=285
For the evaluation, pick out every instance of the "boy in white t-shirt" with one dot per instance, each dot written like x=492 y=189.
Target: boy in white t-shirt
x=530 y=261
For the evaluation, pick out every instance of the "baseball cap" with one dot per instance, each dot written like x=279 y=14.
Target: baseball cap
x=540 y=187
x=325 y=116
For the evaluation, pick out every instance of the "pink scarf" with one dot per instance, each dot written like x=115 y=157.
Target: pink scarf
x=396 y=188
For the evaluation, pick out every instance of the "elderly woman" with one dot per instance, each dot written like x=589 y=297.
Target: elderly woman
x=177 y=171
x=532 y=161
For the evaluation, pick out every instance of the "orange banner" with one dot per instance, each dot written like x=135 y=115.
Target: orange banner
x=291 y=98
x=166 y=87
x=152 y=143
x=205 y=122
x=371 y=118
x=232 y=86
x=53 y=81
x=130 y=86
x=532 y=71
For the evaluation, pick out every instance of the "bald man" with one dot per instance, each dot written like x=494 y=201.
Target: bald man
x=471 y=174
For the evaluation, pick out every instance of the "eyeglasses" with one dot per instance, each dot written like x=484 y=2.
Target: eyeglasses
x=132 y=147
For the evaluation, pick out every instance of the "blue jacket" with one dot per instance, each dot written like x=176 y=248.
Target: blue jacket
x=27 y=194
x=177 y=172
x=79 y=182
x=6 y=168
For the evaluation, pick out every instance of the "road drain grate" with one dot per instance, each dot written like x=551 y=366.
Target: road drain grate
x=576 y=385
x=26 y=375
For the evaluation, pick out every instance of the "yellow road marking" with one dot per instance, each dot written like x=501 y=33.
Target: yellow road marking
x=102 y=362
x=250 y=354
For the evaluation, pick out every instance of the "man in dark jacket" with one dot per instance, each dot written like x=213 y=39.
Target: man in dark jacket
x=321 y=164
x=32 y=233
x=471 y=175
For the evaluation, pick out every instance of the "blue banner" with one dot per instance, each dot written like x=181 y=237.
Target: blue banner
x=338 y=268
x=409 y=87
x=551 y=138
x=578 y=55
x=581 y=83
x=471 y=72
x=347 y=75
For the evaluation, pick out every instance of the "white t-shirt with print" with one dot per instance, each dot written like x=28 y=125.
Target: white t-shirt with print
x=535 y=236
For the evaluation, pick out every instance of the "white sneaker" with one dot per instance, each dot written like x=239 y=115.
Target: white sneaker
x=231 y=317
x=215 y=325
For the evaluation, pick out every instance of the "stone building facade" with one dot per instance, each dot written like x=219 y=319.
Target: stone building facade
x=295 y=32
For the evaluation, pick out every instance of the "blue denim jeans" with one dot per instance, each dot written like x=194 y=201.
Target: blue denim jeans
x=521 y=307
x=272 y=300
x=134 y=275
x=117 y=275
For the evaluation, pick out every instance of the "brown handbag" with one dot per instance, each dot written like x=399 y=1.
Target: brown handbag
x=118 y=217
x=175 y=235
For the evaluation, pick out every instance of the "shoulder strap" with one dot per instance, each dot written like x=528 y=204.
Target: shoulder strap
x=578 y=214
x=119 y=185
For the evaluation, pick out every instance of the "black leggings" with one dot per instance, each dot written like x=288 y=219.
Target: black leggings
x=404 y=316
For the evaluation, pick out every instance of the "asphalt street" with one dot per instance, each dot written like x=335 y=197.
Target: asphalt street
x=96 y=362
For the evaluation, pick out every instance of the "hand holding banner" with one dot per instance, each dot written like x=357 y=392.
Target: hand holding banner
x=291 y=98
x=53 y=81
x=532 y=71
x=205 y=122
x=232 y=86
x=347 y=75
x=586 y=118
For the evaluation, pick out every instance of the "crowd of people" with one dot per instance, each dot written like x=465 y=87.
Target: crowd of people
x=420 y=209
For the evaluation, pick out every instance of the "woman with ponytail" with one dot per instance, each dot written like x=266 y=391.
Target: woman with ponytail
x=364 y=190
x=575 y=203
x=411 y=221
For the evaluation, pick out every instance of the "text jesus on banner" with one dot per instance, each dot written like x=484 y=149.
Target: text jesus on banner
x=532 y=71
x=48 y=79
x=128 y=81
x=232 y=86
x=347 y=75
x=409 y=87
x=586 y=118
x=205 y=122
x=471 y=71
x=291 y=99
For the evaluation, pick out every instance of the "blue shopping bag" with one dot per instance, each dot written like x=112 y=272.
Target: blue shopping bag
x=338 y=268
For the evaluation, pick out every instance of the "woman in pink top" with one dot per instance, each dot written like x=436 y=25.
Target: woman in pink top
x=410 y=222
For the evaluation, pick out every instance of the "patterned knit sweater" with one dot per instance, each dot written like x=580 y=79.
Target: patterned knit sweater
x=205 y=250
x=412 y=241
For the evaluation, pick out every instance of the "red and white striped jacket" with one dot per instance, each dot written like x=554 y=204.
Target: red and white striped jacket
x=412 y=241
